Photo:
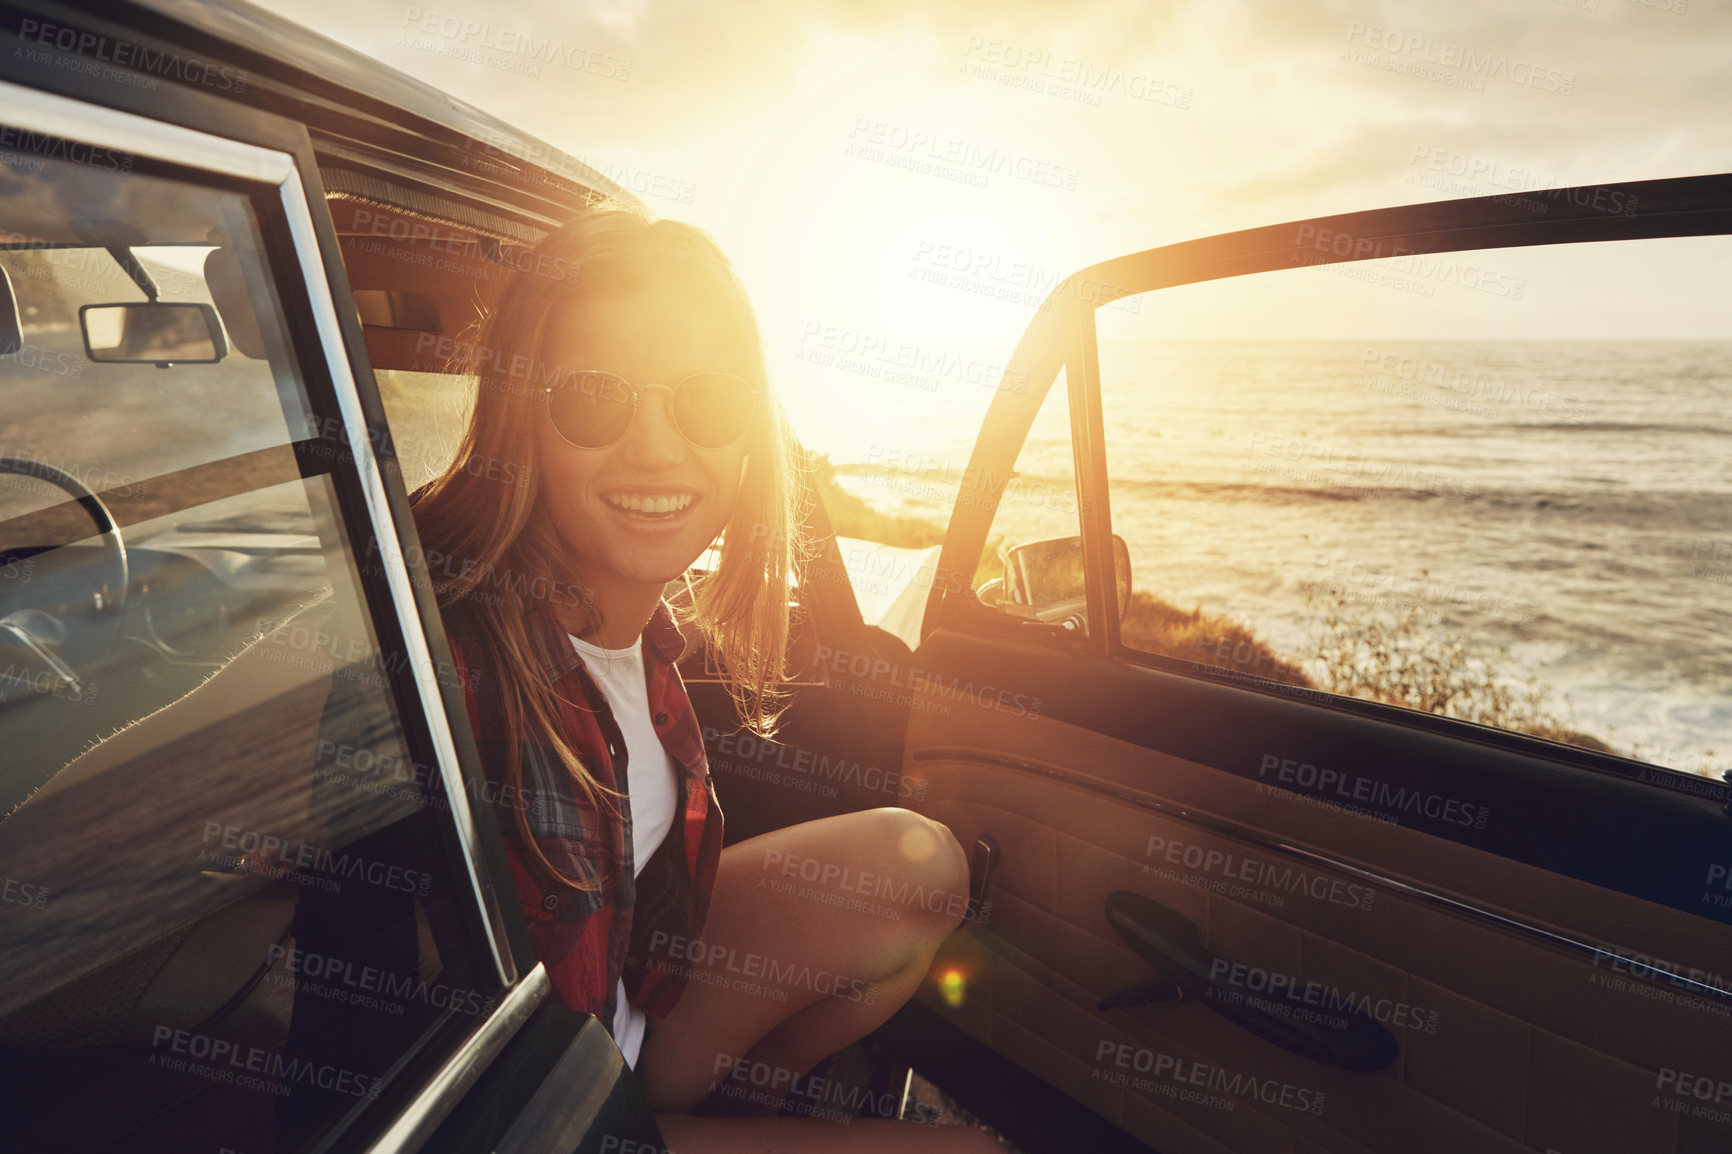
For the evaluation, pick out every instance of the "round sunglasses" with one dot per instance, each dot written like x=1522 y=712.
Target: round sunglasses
x=592 y=409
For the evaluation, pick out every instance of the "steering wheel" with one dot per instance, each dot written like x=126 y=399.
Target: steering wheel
x=42 y=632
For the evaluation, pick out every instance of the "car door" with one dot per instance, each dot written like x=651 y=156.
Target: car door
x=246 y=854
x=1372 y=900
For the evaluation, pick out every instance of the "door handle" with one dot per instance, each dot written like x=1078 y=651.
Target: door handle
x=1169 y=942
x=981 y=866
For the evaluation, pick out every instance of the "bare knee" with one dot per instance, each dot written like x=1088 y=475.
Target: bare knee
x=926 y=846
x=929 y=855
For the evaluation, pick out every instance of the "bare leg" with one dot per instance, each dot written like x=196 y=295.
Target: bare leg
x=829 y=926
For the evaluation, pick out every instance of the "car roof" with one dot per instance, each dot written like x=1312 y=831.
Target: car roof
x=357 y=105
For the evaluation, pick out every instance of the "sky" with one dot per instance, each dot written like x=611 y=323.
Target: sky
x=899 y=180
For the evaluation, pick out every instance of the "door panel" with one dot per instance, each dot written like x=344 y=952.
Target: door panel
x=1531 y=922
x=1497 y=1028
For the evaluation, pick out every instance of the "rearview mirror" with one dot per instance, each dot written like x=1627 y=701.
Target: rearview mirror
x=1045 y=578
x=153 y=332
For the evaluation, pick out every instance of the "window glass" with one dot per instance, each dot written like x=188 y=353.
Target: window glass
x=427 y=413
x=227 y=904
x=1492 y=485
x=1032 y=564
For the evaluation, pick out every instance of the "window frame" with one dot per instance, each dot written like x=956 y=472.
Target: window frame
x=1064 y=334
x=269 y=160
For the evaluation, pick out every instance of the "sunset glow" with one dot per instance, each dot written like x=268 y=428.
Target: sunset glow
x=842 y=154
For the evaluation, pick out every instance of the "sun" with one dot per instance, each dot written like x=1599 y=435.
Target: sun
x=899 y=274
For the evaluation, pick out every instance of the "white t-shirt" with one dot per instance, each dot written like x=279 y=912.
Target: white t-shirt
x=651 y=785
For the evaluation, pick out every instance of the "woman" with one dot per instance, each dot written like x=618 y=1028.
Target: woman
x=620 y=370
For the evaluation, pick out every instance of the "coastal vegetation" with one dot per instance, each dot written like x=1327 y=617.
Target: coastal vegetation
x=1400 y=655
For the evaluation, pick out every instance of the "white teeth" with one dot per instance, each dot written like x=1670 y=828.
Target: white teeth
x=644 y=503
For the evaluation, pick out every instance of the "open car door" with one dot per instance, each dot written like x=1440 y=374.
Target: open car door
x=1328 y=881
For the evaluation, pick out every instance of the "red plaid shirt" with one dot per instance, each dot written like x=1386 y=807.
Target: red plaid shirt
x=588 y=940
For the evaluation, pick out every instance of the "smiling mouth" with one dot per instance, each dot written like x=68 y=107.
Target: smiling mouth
x=650 y=506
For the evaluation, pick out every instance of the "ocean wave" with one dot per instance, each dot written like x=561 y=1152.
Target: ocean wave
x=1707 y=510
x=1480 y=432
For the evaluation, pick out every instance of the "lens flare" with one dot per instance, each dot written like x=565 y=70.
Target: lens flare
x=953 y=987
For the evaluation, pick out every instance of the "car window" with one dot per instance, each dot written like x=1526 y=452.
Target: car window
x=230 y=904
x=1489 y=485
x=427 y=413
x=1032 y=564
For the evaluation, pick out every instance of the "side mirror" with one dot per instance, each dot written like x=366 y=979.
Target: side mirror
x=153 y=332
x=11 y=326
x=1044 y=579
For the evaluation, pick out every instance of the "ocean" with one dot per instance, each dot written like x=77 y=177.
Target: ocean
x=1562 y=509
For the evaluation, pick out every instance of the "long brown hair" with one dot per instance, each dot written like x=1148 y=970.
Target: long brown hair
x=740 y=609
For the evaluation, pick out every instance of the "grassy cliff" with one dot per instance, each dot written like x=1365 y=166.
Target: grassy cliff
x=1404 y=658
